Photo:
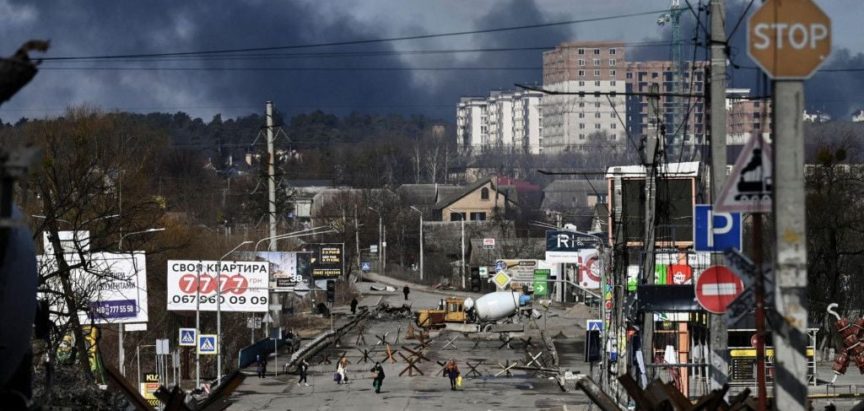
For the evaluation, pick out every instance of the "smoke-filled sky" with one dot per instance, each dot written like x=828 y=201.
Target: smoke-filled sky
x=378 y=77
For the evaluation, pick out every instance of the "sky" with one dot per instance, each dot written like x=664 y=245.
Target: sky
x=376 y=77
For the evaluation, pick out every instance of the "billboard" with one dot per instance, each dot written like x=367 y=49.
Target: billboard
x=289 y=271
x=521 y=272
x=113 y=285
x=193 y=283
x=589 y=268
x=328 y=261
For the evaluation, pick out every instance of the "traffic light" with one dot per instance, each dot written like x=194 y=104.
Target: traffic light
x=331 y=291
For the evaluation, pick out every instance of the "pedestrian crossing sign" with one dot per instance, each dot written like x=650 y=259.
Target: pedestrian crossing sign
x=594 y=325
x=187 y=337
x=207 y=344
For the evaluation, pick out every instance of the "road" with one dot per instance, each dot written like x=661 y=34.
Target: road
x=522 y=390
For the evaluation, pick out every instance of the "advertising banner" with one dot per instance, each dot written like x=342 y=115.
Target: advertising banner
x=564 y=247
x=289 y=271
x=113 y=285
x=243 y=285
x=328 y=261
x=521 y=272
x=589 y=268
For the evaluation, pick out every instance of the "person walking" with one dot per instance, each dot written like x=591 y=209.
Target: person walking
x=262 y=366
x=354 y=306
x=342 y=371
x=377 y=377
x=451 y=371
x=406 y=291
x=303 y=368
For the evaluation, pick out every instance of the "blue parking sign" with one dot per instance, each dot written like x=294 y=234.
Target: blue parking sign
x=715 y=231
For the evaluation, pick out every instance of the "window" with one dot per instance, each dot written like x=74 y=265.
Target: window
x=597 y=104
x=581 y=84
x=654 y=75
x=580 y=51
x=581 y=136
x=596 y=62
x=581 y=73
x=612 y=73
x=581 y=104
x=484 y=193
x=597 y=115
x=456 y=216
x=581 y=62
x=612 y=114
x=612 y=51
x=581 y=115
x=581 y=126
x=629 y=75
x=478 y=216
x=596 y=51
x=597 y=126
x=597 y=83
x=613 y=126
x=612 y=83
x=596 y=73
x=612 y=62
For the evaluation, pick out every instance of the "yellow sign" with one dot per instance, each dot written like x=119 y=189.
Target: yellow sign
x=148 y=391
x=501 y=279
x=751 y=352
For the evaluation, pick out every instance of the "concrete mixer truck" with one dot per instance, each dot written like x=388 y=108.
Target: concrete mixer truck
x=487 y=313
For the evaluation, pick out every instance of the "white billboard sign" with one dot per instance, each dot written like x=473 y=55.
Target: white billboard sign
x=114 y=285
x=70 y=241
x=243 y=285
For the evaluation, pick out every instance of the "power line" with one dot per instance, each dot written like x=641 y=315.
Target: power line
x=356 y=42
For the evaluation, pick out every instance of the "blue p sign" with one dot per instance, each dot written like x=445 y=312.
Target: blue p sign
x=715 y=231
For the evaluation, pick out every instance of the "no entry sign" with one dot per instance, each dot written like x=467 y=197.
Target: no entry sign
x=716 y=287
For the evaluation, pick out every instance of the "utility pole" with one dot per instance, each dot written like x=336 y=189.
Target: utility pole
x=790 y=260
x=421 y=240
x=719 y=364
x=651 y=146
x=357 y=242
x=463 y=249
x=271 y=197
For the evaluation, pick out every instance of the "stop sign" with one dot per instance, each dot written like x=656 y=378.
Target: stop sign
x=716 y=287
x=789 y=39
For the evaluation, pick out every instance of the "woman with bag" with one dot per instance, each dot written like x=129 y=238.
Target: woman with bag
x=452 y=371
x=377 y=377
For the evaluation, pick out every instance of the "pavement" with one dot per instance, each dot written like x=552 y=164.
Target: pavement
x=482 y=391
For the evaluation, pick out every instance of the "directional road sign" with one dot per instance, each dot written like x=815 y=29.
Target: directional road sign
x=187 y=337
x=748 y=188
x=594 y=325
x=207 y=344
x=716 y=287
x=715 y=231
x=789 y=39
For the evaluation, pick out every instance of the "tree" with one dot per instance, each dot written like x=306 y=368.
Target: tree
x=95 y=176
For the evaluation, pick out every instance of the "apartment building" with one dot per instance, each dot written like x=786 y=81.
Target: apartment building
x=692 y=125
x=506 y=120
x=746 y=117
x=584 y=121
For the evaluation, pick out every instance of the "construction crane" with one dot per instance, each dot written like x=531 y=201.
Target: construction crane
x=675 y=130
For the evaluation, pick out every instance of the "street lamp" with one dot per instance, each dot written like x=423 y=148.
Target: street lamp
x=121 y=355
x=462 y=219
x=380 y=242
x=219 y=310
x=421 y=240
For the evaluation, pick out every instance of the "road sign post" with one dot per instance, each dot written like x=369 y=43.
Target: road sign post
x=789 y=40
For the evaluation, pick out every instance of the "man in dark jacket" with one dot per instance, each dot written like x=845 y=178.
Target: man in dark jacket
x=406 y=290
x=353 y=306
x=303 y=368
x=377 y=377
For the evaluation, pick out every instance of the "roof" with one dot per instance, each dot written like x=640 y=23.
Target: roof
x=686 y=169
x=566 y=194
x=308 y=183
x=444 y=201
x=423 y=194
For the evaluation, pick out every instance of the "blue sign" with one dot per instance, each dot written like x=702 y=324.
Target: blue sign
x=112 y=309
x=569 y=241
x=715 y=231
x=207 y=344
x=365 y=267
x=500 y=265
x=595 y=325
x=187 y=337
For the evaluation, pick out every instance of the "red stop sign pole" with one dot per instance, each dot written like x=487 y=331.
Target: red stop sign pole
x=716 y=287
